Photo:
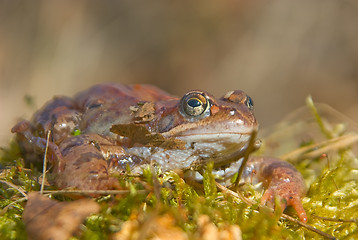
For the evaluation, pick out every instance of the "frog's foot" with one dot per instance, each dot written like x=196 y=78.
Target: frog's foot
x=288 y=195
x=281 y=180
x=32 y=143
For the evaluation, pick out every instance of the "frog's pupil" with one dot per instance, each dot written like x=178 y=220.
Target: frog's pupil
x=194 y=103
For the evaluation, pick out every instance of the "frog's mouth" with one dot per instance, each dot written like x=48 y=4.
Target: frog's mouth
x=223 y=138
x=196 y=155
x=224 y=132
x=221 y=143
x=202 y=143
x=222 y=154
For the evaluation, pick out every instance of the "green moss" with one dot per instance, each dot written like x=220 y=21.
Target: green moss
x=11 y=226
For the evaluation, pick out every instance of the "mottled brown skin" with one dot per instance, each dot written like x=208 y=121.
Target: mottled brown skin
x=92 y=159
x=91 y=169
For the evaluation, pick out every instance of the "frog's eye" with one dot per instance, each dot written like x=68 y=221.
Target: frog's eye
x=240 y=97
x=194 y=104
x=249 y=103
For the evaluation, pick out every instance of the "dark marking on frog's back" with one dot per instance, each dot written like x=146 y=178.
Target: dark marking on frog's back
x=74 y=143
x=87 y=157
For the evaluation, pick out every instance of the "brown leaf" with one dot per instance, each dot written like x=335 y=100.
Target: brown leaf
x=50 y=219
x=208 y=231
x=157 y=227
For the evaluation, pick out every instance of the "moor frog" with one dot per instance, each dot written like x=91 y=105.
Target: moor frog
x=132 y=126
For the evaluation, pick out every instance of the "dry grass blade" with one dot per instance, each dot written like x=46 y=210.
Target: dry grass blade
x=101 y=192
x=45 y=162
x=316 y=150
x=318 y=118
x=4 y=210
x=250 y=148
x=335 y=219
x=18 y=188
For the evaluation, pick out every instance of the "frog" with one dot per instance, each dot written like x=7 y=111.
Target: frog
x=111 y=128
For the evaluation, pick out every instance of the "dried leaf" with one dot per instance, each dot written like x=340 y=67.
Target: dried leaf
x=50 y=219
x=159 y=227
x=208 y=231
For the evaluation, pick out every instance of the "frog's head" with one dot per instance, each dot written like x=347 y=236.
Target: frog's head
x=207 y=130
x=201 y=119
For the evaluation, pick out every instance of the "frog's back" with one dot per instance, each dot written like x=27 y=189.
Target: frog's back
x=115 y=93
x=110 y=103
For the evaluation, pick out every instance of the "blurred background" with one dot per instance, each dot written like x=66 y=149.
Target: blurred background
x=278 y=51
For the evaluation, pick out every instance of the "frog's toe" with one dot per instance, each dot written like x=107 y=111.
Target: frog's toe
x=296 y=203
x=268 y=198
x=286 y=198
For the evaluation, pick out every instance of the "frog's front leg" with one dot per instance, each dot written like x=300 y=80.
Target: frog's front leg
x=91 y=162
x=280 y=179
x=58 y=117
x=33 y=145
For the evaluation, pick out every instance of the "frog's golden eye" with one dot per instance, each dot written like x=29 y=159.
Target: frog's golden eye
x=194 y=104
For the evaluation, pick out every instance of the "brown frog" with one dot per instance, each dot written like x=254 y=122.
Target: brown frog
x=132 y=126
